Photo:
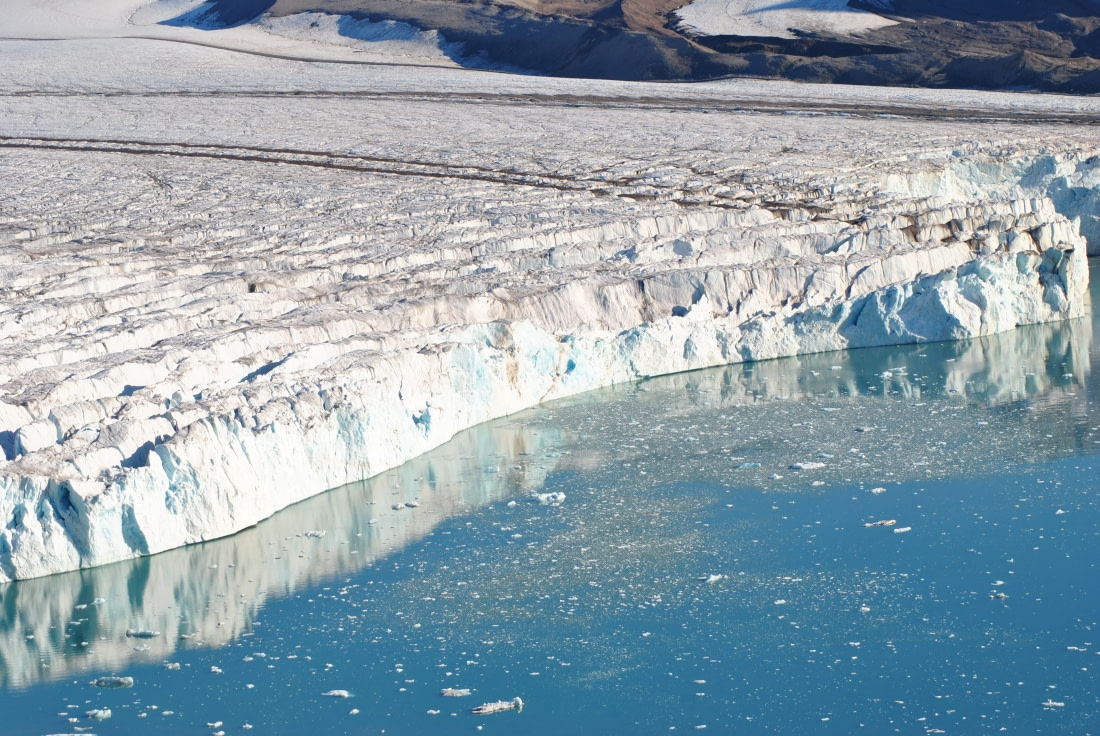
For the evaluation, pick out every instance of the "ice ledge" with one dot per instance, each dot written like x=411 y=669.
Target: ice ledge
x=149 y=401
x=183 y=480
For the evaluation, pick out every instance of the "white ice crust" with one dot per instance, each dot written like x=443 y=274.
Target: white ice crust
x=232 y=281
x=777 y=19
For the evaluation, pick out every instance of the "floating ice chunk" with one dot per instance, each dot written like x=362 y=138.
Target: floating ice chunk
x=498 y=706
x=715 y=578
x=1059 y=512
x=552 y=498
x=742 y=466
x=316 y=534
x=171 y=665
x=903 y=529
x=216 y=669
x=781 y=602
x=881 y=522
x=398 y=506
x=337 y=694
x=142 y=634
x=412 y=504
x=806 y=466
x=455 y=692
x=1051 y=704
x=112 y=681
x=511 y=504
x=99 y=714
x=877 y=490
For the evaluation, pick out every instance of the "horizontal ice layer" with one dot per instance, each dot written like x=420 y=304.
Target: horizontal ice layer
x=215 y=305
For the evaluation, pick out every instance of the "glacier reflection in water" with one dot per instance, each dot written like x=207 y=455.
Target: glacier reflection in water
x=709 y=566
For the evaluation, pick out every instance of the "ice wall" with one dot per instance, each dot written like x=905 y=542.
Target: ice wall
x=167 y=461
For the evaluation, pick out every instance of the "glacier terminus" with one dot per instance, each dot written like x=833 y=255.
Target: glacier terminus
x=237 y=273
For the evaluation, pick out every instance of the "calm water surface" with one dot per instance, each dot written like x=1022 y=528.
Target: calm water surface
x=710 y=566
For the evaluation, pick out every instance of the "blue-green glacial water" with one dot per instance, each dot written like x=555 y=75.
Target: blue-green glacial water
x=690 y=578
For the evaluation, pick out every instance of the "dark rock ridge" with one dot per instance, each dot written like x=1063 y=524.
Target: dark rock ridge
x=1051 y=46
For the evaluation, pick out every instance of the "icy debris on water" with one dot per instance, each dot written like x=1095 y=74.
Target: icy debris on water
x=412 y=504
x=715 y=578
x=112 y=681
x=455 y=692
x=398 y=506
x=553 y=498
x=142 y=634
x=316 y=533
x=171 y=665
x=806 y=466
x=337 y=694
x=99 y=714
x=743 y=466
x=1052 y=704
x=903 y=529
x=499 y=706
x=880 y=522
x=877 y=490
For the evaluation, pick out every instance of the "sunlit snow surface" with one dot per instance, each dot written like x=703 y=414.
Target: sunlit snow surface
x=690 y=577
x=776 y=18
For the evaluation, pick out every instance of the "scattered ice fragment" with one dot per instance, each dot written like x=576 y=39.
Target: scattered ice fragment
x=553 y=498
x=511 y=504
x=337 y=694
x=215 y=724
x=353 y=712
x=171 y=665
x=454 y=692
x=142 y=634
x=781 y=602
x=881 y=522
x=412 y=504
x=1059 y=512
x=99 y=714
x=806 y=466
x=1051 y=704
x=877 y=490
x=316 y=533
x=398 y=506
x=714 y=578
x=903 y=529
x=498 y=706
x=742 y=466
x=216 y=669
x=112 y=681
x=433 y=712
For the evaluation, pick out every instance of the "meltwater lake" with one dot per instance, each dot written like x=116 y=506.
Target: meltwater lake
x=898 y=540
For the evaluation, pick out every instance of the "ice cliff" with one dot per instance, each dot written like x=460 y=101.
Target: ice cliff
x=218 y=303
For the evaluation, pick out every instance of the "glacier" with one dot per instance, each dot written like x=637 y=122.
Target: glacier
x=232 y=281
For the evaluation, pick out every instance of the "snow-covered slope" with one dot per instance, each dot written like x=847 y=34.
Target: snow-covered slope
x=232 y=281
x=777 y=19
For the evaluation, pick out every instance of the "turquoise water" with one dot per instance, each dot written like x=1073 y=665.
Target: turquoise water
x=690 y=578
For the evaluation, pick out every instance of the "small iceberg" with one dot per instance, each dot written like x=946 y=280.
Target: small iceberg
x=501 y=705
x=112 y=681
